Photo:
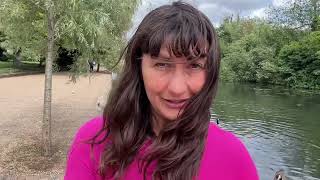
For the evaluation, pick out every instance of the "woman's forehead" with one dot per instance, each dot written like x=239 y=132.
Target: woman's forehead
x=167 y=52
x=190 y=43
x=165 y=56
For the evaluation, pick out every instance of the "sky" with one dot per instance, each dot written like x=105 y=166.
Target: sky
x=216 y=10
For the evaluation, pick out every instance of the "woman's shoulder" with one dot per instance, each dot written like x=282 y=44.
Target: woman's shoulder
x=82 y=161
x=218 y=136
x=90 y=128
x=225 y=142
x=224 y=151
x=86 y=133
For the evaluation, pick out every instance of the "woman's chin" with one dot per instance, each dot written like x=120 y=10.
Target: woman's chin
x=172 y=115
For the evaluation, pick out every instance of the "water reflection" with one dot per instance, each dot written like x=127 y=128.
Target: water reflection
x=280 y=127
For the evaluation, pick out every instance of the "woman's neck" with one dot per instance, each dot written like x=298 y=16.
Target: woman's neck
x=157 y=124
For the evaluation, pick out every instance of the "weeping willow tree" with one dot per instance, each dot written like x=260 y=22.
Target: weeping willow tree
x=36 y=28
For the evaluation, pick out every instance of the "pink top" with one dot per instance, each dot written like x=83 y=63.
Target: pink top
x=225 y=157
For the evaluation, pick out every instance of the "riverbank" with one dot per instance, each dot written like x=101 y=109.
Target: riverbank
x=21 y=105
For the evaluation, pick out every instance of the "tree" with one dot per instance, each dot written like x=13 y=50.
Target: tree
x=299 y=14
x=301 y=60
x=38 y=28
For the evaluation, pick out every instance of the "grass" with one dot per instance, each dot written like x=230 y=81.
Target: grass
x=7 y=67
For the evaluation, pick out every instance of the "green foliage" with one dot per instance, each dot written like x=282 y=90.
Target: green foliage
x=265 y=65
x=258 y=52
x=302 y=61
x=250 y=56
x=299 y=14
x=3 y=57
x=94 y=28
x=8 y=67
x=20 y=21
x=281 y=51
x=236 y=65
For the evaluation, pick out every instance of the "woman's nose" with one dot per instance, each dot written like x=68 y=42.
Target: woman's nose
x=177 y=82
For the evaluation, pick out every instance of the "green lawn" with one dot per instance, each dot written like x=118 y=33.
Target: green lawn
x=7 y=67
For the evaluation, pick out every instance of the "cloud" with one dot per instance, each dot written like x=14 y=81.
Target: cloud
x=219 y=9
x=216 y=10
x=238 y=5
x=260 y=13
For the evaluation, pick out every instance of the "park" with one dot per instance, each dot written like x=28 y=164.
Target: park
x=58 y=58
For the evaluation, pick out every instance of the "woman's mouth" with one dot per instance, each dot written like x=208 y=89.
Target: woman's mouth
x=175 y=104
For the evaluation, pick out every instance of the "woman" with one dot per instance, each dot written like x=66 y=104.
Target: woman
x=156 y=124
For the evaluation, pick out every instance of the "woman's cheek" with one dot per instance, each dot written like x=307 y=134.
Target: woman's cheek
x=196 y=84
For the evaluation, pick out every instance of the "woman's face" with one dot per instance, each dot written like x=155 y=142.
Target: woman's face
x=171 y=81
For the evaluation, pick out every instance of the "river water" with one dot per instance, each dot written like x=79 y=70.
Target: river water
x=280 y=127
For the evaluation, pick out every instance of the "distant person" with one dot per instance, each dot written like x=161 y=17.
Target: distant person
x=156 y=123
x=91 y=65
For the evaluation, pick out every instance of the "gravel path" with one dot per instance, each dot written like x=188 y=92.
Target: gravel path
x=21 y=102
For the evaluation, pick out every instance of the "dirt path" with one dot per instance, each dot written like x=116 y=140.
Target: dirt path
x=21 y=102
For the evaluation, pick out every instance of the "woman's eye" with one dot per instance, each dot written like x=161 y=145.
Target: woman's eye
x=196 y=66
x=161 y=65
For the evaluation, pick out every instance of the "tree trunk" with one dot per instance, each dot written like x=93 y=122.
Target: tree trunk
x=98 y=67
x=46 y=124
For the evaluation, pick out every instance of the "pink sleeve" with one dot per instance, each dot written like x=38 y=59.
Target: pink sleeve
x=80 y=161
x=78 y=167
x=244 y=164
x=226 y=157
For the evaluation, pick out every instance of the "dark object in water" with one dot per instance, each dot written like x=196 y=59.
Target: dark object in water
x=280 y=175
x=217 y=120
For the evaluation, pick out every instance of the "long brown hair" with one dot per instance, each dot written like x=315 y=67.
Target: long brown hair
x=178 y=148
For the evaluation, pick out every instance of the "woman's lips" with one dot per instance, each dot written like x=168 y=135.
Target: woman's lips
x=175 y=104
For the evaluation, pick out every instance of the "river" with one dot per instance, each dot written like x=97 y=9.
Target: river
x=280 y=127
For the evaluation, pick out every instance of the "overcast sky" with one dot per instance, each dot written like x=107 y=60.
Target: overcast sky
x=216 y=10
